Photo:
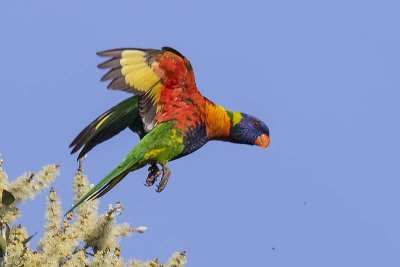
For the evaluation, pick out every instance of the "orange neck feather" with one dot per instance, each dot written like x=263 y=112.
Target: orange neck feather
x=217 y=121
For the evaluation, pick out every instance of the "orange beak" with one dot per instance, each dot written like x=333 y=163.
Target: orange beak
x=262 y=141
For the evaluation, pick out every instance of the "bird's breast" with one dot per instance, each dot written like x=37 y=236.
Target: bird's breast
x=193 y=139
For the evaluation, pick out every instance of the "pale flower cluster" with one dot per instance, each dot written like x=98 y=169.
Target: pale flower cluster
x=25 y=187
x=82 y=238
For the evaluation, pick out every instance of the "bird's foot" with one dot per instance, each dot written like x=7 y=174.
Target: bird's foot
x=154 y=172
x=164 y=179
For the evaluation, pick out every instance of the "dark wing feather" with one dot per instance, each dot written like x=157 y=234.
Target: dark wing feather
x=111 y=63
x=112 y=74
x=119 y=84
x=110 y=123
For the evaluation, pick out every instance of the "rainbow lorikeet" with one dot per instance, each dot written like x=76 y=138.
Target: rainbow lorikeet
x=167 y=111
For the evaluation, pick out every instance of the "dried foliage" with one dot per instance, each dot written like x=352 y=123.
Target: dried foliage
x=82 y=238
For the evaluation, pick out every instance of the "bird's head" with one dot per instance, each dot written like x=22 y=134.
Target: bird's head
x=247 y=129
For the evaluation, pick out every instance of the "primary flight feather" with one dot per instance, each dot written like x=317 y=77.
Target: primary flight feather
x=167 y=111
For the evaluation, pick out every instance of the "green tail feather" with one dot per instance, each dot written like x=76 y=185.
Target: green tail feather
x=89 y=193
x=106 y=184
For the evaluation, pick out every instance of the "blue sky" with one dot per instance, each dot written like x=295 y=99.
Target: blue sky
x=324 y=76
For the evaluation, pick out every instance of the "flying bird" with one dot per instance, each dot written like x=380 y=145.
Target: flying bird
x=167 y=111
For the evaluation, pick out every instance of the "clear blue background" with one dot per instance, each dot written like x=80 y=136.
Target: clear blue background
x=324 y=75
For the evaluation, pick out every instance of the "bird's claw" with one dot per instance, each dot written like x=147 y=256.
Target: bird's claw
x=154 y=172
x=164 y=179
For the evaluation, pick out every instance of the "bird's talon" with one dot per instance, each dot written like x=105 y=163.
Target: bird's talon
x=154 y=172
x=164 y=179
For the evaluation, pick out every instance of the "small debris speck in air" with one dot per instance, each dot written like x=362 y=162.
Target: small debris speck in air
x=273 y=248
x=305 y=203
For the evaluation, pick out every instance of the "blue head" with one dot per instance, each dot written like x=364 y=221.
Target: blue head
x=247 y=129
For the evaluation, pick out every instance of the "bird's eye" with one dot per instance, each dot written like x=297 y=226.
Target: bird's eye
x=256 y=124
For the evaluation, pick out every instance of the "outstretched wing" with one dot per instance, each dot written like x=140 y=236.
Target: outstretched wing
x=146 y=73
x=110 y=123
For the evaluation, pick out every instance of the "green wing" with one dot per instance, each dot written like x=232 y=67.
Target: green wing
x=108 y=124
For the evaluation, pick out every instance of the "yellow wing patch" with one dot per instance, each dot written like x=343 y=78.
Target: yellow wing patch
x=132 y=57
x=139 y=74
